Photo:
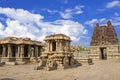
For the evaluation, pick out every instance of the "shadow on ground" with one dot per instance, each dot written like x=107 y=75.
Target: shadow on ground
x=7 y=79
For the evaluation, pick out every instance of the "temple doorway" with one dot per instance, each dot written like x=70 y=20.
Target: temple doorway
x=26 y=51
x=103 y=53
x=53 y=46
x=13 y=50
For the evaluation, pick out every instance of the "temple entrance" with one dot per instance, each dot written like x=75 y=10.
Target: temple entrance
x=1 y=50
x=53 y=46
x=26 y=51
x=13 y=49
x=103 y=54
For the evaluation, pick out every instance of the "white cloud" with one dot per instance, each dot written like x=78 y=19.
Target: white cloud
x=94 y=21
x=1 y=29
x=116 y=21
x=68 y=13
x=117 y=14
x=112 y=4
x=21 y=15
x=64 y=1
x=22 y=23
x=91 y=22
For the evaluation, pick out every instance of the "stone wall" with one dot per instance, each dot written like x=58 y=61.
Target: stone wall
x=104 y=44
x=111 y=52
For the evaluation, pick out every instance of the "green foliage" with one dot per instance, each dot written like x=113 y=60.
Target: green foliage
x=42 y=49
x=82 y=49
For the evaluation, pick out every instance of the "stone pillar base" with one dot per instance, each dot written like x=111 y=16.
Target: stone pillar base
x=60 y=67
x=22 y=59
x=8 y=59
x=1 y=64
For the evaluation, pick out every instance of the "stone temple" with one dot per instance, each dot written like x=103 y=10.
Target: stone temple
x=104 y=44
x=19 y=50
x=57 y=54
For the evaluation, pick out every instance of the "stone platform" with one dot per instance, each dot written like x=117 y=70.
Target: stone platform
x=84 y=60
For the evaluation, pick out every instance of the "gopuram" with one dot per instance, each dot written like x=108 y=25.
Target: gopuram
x=18 y=50
x=104 y=44
x=57 y=54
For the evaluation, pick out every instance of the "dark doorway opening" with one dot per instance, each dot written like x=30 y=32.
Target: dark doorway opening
x=103 y=53
x=1 y=50
x=26 y=51
x=13 y=50
x=69 y=60
x=53 y=46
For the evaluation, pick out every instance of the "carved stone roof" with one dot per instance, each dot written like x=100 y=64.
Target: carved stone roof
x=15 y=40
x=104 y=35
x=57 y=37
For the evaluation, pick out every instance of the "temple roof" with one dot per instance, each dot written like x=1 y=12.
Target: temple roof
x=57 y=36
x=15 y=40
x=104 y=35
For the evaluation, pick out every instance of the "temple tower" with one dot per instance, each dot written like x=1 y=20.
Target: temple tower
x=104 y=44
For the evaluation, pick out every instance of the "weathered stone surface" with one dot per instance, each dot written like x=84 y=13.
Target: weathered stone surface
x=57 y=53
x=104 y=42
x=10 y=63
x=13 y=49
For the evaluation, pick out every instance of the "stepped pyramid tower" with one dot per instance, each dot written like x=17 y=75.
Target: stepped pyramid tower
x=104 y=44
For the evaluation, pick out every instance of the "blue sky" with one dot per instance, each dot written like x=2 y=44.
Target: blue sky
x=39 y=18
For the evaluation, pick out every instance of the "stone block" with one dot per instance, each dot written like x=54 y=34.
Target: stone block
x=10 y=63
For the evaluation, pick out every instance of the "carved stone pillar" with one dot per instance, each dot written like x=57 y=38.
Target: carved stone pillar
x=50 y=45
x=60 y=46
x=4 y=50
x=9 y=50
x=18 y=51
x=29 y=51
x=36 y=51
x=47 y=47
x=32 y=51
x=22 y=50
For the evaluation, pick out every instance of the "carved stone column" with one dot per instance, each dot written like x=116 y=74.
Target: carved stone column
x=4 y=50
x=9 y=50
x=32 y=51
x=18 y=51
x=60 y=46
x=29 y=51
x=36 y=51
x=50 y=46
x=22 y=50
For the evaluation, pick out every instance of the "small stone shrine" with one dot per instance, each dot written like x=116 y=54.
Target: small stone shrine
x=57 y=54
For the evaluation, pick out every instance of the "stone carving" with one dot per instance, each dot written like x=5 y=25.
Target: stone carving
x=51 y=64
x=104 y=35
x=104 y=40
x=14 y=49
x=57 y=53
x=41 y=63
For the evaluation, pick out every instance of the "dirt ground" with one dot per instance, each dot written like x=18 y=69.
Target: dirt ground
x=100 y=70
